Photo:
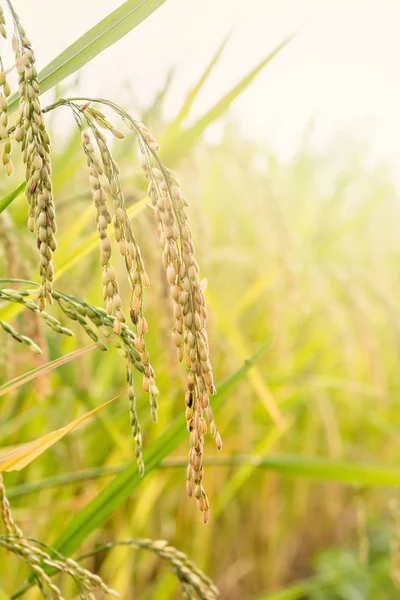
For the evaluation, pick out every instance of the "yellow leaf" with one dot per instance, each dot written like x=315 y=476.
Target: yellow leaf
x=20 y=456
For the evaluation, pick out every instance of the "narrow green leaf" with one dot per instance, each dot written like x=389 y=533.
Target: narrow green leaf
x=153 y=113
x=119 y=490
x=172 y=151
x=101 y=36
x=4 y=202
x=174 y=126
x=296 y=591
x=16 y=458
x=9 y=386
x=317 y=469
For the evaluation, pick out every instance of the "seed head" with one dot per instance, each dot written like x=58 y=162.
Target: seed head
x=35 y=143
x=187 y=292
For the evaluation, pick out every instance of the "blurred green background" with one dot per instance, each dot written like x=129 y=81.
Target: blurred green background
x=302 y=254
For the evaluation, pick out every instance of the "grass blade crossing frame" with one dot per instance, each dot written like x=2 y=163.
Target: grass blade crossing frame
x=119 y=490
x=101 y=36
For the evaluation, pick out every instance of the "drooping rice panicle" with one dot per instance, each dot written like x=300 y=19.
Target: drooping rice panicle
x=22 y=339
x=130 y=252
x=134 y=419
x=103 y=219
x=35 y=144
x=80 y=310
x=4 y=93
x=127 y=245
x=3 y=31
x=38 y=556
x=194 y=583
x=9 y=254
x=189 y=334
x=170 y=209
x=10 y=295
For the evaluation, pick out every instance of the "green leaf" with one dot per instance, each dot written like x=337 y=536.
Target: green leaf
x=172 y=151
x=120 y=489
x=153 y=113
x=9 y=386
x=317 y=469
x=15 y=458
x=297 y=591
x=101 y=36
x=8 y=199
x=174 y=126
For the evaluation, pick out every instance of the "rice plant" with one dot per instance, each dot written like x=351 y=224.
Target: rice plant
x=170 y=210
x=301 y=325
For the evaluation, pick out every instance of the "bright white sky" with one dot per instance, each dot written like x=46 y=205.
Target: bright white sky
x=342 y=70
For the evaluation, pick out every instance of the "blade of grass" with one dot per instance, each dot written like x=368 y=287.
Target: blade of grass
x=317 y=469
x=174 y=126
x=108 y=31
x=19 y=457
x=119 y=490
x=311 y=467
x=43 y=369
x=297 y=591
x=4 y=202
x=172 y=151
x=301 y=589
x=154 y=111
x=228 y=325
x=242 y=475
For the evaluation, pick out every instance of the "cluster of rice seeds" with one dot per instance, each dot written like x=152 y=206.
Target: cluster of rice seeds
x=37 y=555
x=4 y=93
x=134 y=419
x=9 y=253
x=110 y=285
x=10 y=295
x=189 y=334
x=103 y=219
x=31 y=132
x=128 y=249
x=193 y=581
x=22 y=339
x=3 y=32
x=78 y=310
